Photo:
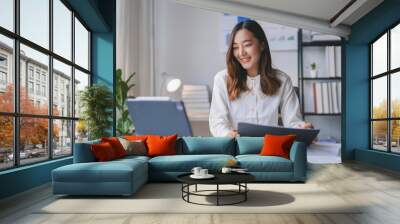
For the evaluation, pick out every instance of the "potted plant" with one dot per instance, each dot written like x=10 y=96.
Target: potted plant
x=96 y=102
x=124 y=122
x=313 y=71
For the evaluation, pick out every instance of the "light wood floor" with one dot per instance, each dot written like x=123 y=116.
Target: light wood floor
x=378 y=188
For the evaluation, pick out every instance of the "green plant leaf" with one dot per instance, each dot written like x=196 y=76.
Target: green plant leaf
x=97 y=102
x=130 y=77
x=131 y=86
x=124 y=123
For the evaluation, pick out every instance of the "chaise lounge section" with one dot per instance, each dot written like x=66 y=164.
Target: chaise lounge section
x=125 y=176
x=88 y=177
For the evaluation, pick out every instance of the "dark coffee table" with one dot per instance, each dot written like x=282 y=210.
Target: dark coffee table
x=238 y=179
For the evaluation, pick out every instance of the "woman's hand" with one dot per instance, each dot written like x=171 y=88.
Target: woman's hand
x=306 y=125
x=234 y=133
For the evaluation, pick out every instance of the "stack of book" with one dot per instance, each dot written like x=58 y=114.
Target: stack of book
x=323 y=97
x=328 y=62
x=197 y=102
x=333 y=61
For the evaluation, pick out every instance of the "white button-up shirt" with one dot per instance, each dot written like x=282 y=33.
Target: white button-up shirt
x=252 y=106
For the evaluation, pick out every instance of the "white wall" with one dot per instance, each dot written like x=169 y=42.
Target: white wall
x=187 y=45
x=287 y=62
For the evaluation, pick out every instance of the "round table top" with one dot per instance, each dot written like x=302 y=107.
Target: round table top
x=220 y=178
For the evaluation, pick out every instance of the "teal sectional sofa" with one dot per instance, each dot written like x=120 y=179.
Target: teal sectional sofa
x=125 y=176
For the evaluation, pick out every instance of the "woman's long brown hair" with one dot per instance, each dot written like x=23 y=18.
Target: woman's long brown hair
x=237 y=75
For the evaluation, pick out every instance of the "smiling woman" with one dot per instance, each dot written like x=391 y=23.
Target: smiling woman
x=250 y=90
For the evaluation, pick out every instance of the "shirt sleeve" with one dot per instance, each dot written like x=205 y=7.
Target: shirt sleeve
x=290 y=107
x=220 y=125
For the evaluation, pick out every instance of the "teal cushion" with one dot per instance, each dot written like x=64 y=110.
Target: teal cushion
x=185 y=163
x=249 y=145
x=257 y=163
x=207 y=145
x=83 y=152
x=111 y=171
x=133 y=158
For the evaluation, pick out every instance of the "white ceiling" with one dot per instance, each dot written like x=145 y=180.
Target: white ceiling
x=318 y=9
x=307 y=14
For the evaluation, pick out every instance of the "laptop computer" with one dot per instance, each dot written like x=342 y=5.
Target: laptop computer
x=159 y=116
x=255 y=130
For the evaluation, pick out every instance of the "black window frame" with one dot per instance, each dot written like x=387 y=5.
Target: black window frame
x=16 y=115
x=388 y=74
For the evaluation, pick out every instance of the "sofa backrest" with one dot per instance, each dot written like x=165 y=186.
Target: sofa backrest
x=206 y=145
x=83 y=152
x=190 y=146
x=249 y=145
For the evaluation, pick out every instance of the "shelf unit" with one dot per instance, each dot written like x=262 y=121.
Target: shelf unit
x=328 y=123
x=322 y=78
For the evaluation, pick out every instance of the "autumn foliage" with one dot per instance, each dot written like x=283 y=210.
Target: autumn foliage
x=33 y=130
x=380 y=127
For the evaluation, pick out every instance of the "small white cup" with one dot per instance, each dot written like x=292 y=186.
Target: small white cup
x=203 y=172
x=196 y=170
x=226 y=170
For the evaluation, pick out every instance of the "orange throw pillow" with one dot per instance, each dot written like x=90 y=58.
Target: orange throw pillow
x=116 y=145
x=277 y=145
x=161 y=145
x=103 y=152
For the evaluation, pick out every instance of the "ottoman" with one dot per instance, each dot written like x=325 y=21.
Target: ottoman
x=118 y=177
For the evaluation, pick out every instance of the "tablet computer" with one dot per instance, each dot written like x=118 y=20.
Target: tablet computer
x=255 y=130
x=159 y=116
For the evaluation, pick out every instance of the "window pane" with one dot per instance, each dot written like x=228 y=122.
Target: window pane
x=62 y=141
x=395 y=47
x=6 y=142
x=395 y=135
x=81 y=45
x=81 y=131
x=62 y=89
x=62 y=29
x=395 y=94
x=35 y=21
x=34 y=97
x=379 y=135
x=379 y=100
x=7 y=14
x=6 y=74
x=379 y=55
x=81 y=81
x=33 y=139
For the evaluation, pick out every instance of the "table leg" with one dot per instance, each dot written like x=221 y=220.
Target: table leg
x=196 y=188
x=217 y=194
x=245 y=193
x=188 y=189
x=182 y=190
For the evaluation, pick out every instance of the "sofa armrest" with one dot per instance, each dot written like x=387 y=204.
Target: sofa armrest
x=83 y=152
x=298 y=155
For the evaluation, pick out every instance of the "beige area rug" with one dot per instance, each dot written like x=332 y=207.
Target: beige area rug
x=166 y=198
